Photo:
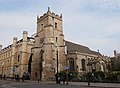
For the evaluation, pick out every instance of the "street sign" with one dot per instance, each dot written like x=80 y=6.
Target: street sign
x=66 y=67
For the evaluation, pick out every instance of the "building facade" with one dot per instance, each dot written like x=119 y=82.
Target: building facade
x=116 y=61
x=14 y=58
x=83 y=60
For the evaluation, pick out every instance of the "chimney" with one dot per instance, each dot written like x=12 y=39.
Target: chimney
x=25 y=35
x=14 y=41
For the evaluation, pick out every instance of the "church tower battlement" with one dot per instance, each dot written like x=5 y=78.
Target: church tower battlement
x=49 y=13
x=49 y=19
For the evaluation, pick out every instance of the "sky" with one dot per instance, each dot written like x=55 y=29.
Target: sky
x=92 y=23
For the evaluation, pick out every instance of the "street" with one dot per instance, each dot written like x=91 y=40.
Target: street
x=15 y=84
x=34 y=84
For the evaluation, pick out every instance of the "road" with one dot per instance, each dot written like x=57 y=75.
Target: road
x=27 y=84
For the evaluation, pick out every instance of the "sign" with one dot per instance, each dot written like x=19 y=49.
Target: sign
x=66 y=67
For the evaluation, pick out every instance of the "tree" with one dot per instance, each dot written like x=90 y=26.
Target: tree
x=115 y=64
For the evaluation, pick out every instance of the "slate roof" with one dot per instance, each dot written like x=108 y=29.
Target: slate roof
x=9 y=46
x=79 y=48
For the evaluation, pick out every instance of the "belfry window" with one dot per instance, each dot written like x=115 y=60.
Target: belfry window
x=18 y=57
x=55 y=25
x=41 y=26
x=71 y=64
x=56 y=39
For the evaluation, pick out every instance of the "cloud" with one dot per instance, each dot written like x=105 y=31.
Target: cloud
x=103 y=7
x=93 y=23
x=13 y=24
x=93 y=30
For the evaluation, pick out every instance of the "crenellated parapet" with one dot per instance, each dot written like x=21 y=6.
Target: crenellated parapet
x=49 y=13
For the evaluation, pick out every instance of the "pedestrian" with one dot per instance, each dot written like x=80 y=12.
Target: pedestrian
x=17 y=77
x=38 y=80
x=59 y=79
x=64 y=78
x=4 y=77
x=23 y=77
x=1 y=76
x=56 y=78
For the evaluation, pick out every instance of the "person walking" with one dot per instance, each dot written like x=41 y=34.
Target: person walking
x=23 y=77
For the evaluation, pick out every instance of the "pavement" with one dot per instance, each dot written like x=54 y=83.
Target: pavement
x=85 y=84
x=104 y=85
x=77 y=84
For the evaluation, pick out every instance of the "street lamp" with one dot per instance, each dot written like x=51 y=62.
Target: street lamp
x=89 y=64
x=13 y=71
x=66 y=68
x=57 y=63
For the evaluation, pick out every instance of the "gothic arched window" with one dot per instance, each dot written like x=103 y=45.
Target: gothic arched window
x=83 y=65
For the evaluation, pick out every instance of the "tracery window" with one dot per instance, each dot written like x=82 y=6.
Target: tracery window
x=71 y=63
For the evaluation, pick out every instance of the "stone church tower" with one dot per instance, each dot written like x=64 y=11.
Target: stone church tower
x=48 y=48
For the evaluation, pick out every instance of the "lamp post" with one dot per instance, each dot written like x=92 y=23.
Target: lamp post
x=67 y=75
x=89 y=64
x=57 y=63
x=13 y=71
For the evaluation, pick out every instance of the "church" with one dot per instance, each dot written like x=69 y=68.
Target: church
x=48 y=53
x=52 y=53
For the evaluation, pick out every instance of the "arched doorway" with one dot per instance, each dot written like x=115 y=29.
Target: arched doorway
x=29 y=63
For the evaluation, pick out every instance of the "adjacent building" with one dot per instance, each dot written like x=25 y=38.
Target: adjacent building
x=117 y=56
x=116 y=61
x=82 y=60
x=14 y=58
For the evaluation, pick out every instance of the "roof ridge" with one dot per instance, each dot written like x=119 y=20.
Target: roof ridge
x=77 y=44
x=80 y=48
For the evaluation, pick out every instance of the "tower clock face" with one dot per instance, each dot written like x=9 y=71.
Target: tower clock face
x=41 y=40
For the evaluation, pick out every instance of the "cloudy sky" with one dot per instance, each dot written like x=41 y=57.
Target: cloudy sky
x=92 y=23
